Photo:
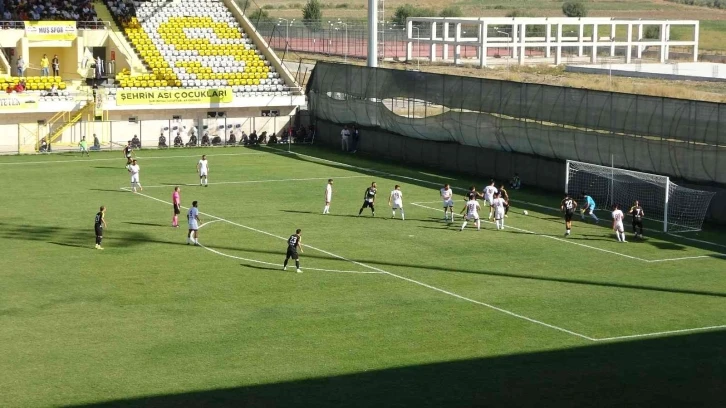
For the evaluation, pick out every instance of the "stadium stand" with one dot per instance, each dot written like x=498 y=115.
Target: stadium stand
x=32 y=10
x=193 y=43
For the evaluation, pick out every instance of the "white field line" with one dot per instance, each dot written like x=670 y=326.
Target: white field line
x=208 y=222
x=635 y=336
x=453 y=187
x=381 y=271
x=218 y=219
x=679 y=259
x=259 y=181
x=548 y=236
x=120 y=158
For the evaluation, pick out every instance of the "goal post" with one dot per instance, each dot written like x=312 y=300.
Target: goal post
x=678 y=208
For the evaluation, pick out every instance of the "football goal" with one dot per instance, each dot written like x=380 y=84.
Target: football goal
x=679 y=209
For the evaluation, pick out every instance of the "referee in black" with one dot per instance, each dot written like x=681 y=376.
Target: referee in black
x=293 y=244
x=99 y=225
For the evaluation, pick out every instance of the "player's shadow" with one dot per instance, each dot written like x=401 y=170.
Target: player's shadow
x=671 y=246
x=145 y=224
x=108 y=190
x=70 y=237
x=366 y=214
x=266 y=268
x=318 y=213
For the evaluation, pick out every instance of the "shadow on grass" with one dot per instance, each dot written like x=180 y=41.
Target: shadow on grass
x=685 y=370
x=366 y=214
x=110 y=190
x=121 y=239
x=146 y=224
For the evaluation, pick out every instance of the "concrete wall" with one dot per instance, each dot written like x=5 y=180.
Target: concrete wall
x=544 y=173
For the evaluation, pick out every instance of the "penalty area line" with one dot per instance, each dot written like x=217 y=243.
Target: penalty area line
x=257 y=181
x=381 y=271
x=549 y=236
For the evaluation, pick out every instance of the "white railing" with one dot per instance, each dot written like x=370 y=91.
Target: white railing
x=543 y=37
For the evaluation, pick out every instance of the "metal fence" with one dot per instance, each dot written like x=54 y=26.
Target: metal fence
x=680 y=138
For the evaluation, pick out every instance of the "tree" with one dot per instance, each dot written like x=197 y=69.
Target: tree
x=652 y=32
x=258 y=15
x=312 y=14
x=519 y=13
x=574 y=9
x=451 y=11
x=405 y=11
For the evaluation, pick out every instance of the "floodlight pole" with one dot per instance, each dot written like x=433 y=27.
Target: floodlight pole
x=372 y=33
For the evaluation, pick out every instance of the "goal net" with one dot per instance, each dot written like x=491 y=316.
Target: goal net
x=678 y=208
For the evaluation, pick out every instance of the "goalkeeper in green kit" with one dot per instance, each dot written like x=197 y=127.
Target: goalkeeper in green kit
x=83 y=146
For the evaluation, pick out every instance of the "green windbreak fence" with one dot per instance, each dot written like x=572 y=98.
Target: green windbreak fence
x=678 y=138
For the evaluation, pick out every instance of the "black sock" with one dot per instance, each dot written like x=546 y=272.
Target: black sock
x=96 y=239
x=297 y=264
x=361 y=211
x=99 y=240
x=285 y=264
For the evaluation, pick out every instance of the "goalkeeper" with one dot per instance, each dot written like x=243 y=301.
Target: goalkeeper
x=589 y=208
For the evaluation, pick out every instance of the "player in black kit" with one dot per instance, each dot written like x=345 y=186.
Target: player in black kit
x=293 y=244
x=637 y=212
x=473 y=194
x=99 y=225
x=127 y=152
x=569 y=206
x=369 y=199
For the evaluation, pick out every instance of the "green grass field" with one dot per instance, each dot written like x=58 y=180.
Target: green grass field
x=386 y=313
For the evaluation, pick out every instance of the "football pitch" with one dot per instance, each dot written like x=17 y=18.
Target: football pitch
x=386 y=312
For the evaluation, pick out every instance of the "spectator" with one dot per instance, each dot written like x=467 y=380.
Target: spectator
x=263 y=138
x=56 y=66
x=135 y=142
x=10 y=89
x=243 y=139
x=96 y=143
x=44 y=146
x=205 y=139
x=44 y=66
x=99 y=68
x=53 y=90
x=232 y=138
x=216 y=141
x=273 y=140
x=178 y=142
x=20 y=87
x=21 y=66
x=253 y=137
x=515 y=182
x=192 y=140
x=344 y=137
x=356 y=138
x=162 y=141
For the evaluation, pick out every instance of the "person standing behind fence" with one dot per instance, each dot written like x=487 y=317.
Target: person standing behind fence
x=21 y=66
x=356 y=138
x=56 y=65
x=44 y=66
x=344 y=138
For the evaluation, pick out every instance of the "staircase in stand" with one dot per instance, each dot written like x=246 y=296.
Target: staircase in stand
x=64 y=120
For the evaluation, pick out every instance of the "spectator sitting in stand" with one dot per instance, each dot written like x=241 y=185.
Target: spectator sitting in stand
x=273 y=139
x=216 y=141
x=96 y=143
x=53 y=90
x=178 y=142
x=243 y=139
x=135 y=142
x=44 y=147
x=162 y=141
x=263 y=138
x=232 y=140
x=205 y=139
x=192 y=140
x=20 y=87
x=515 y=182
x=10 y=89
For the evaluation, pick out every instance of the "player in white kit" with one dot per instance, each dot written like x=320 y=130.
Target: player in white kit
x=395 y=201
x=447 y=196
x=499 y=205
x=328 y=196
x=489 y=192
x=472 y=213
x=618 y=227
x=134 y=169
x=193 y=220
x=203 y=169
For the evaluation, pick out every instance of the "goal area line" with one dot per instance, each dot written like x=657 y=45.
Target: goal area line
x=380 y=271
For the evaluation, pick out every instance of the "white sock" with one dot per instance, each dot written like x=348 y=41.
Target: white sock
x=393 y=214
x=568 y=231
x=403 y=217
x=463 y=225
x=617 y=234
x=623 y=235
x=446 y=215
x=452 y=216
x=478 y=224
x=325 y=210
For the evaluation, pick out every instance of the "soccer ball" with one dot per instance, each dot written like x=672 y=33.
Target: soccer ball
x=525 y=212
